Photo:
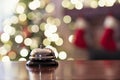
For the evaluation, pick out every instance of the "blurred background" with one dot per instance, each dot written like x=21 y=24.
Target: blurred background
x=25 y=24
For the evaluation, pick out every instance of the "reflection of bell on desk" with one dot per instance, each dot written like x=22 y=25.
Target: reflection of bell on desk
x=41 y=73
x=42 y=57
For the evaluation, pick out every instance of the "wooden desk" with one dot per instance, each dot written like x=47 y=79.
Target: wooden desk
x=67 y=70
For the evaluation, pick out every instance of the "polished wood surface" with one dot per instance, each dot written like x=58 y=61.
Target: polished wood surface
x=66 y=70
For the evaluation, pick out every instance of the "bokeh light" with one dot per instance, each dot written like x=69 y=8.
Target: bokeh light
x=71 y=38
x=5 y=59
x=9 y=29
x=50 y=8
x=65 y=3
x=28 y=41
x=42 y=26
x=12 y=55
x=14 y=19
x=101 y=3
x=20 y=8
x=22 y=59
x=94 y=4
x=67 y=19
x=35 y=45
x=3 y=50
x=62 y=55
x=34 y=4
x=19 y=39
x=35 y=28
x=59 y=42
x=5 y=37
x=22 y=17
x=46 y=42
x=24 y=52
x=79 y=5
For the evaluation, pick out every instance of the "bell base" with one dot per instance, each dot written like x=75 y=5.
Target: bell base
x=42 y=63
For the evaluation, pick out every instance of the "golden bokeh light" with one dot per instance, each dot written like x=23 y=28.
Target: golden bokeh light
x=3 y=50
x=65 y=3
x=34 y=4
x=59 y=42
x=5 y=37
x=22 y=17
x=101 y=3
x=67 y=19
x=35 y=28
x=93 y=4
x=46 y=42
x=22 y=59
x=42 y=26
x=50 y=8
x=9 y=29
x=62 y=55
x=79 y=5
x=24 y=52
x=20 y=9
x=71 y=38
x=28 y=41
x=14 y=19
x=12 y=55
x=19 y=39
x=5 y=59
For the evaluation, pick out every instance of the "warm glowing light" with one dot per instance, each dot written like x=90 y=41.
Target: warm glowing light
x=79 y=5
x=34 y=4
x=101 y=3
x=46 y=42
x=3 y=51
x=94 y=4
x=57 y=22
x=67 y=19
x=50 y=8
x=7 y=22
x=35 y=28
x=5 y=37
x=42 y=26
x=24 y=52
x=74 y=1
x=65 y=3
x=19 y=39
x=51 y=28
x=5 y=59
x=28 y=41
x=42 y=5
x=110 y=3
x=9 y=29
x=59 y=42
x=22 y=59
x=70 y=38
x=14 y=19
x=7 y=47
x=31 y=15
x=20 y=9
x=54 y=37
x=12 y=55
x=22 y=17
x=35 y=45
x=62 y=55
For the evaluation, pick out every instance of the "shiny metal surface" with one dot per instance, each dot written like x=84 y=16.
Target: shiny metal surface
x=42 y=54
x=66 y=70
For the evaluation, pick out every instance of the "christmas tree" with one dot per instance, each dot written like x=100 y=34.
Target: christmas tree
x=31 y=25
